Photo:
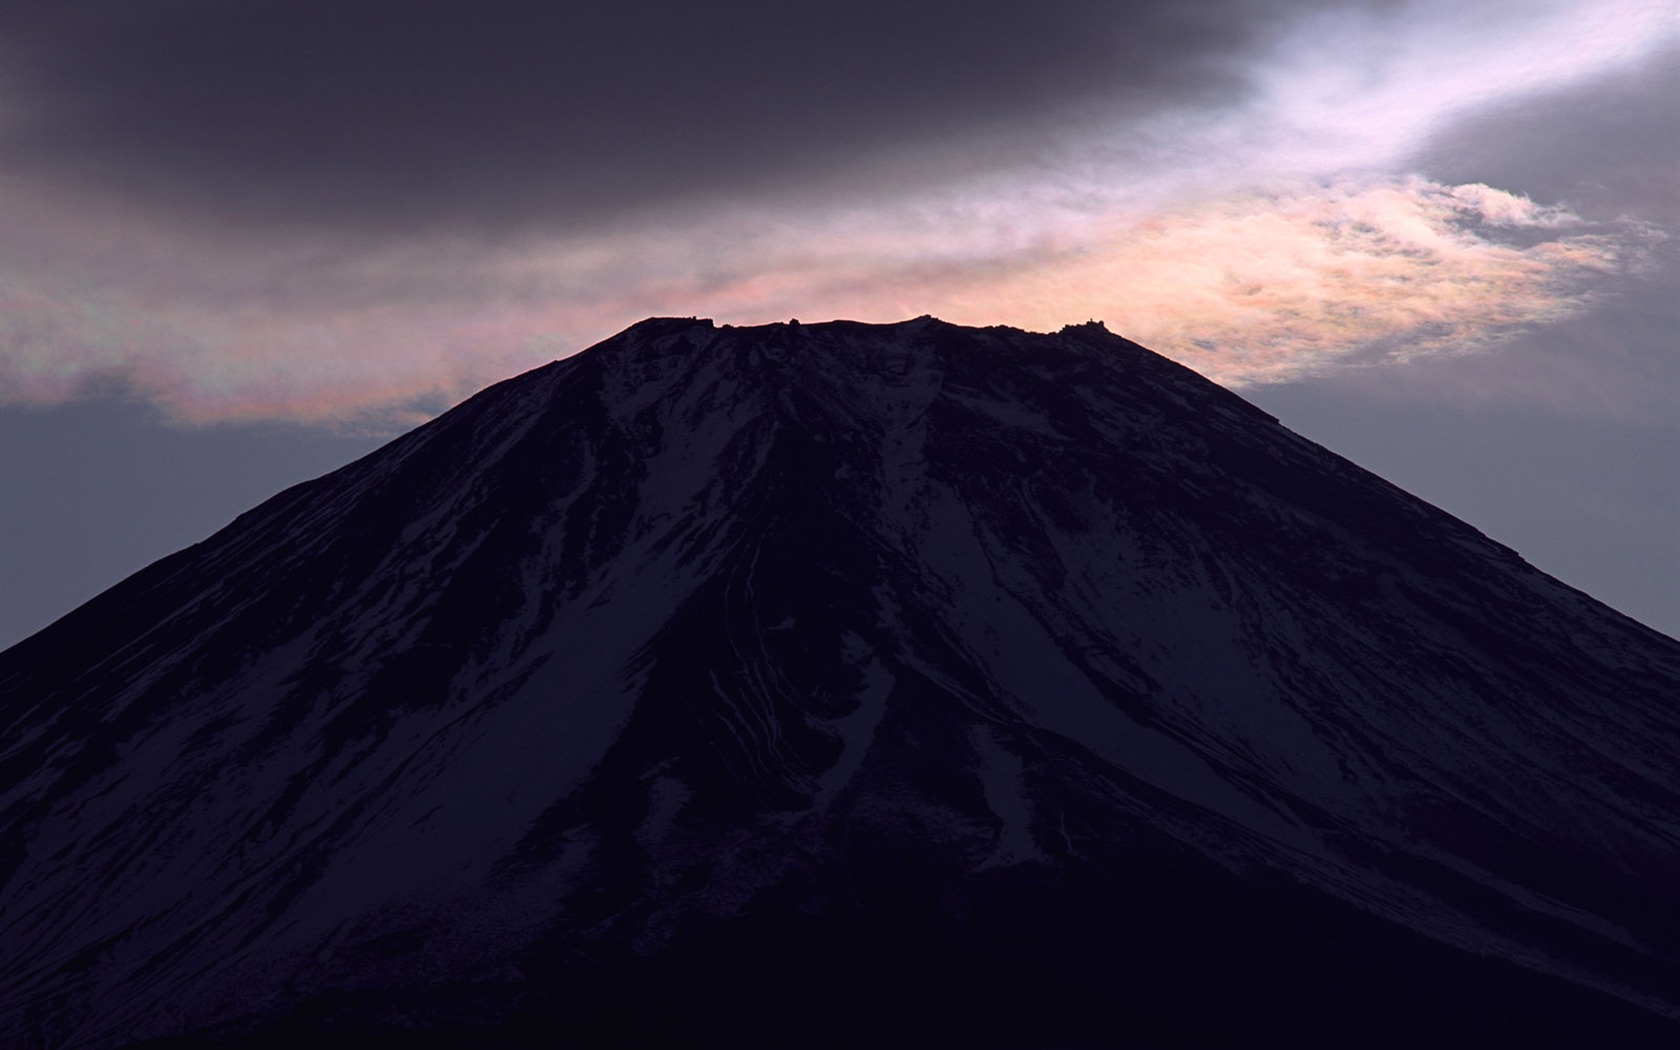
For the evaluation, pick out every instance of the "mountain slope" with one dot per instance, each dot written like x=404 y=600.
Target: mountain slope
x=822 y=659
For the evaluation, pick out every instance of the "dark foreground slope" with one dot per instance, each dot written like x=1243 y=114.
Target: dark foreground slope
x=809 y=685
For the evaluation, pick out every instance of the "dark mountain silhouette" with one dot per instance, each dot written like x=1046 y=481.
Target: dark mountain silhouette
x=836 y=685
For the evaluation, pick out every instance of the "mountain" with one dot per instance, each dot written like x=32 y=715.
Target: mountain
x=842 y=684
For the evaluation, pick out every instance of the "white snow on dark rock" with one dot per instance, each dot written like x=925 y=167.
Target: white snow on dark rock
x=866 y=674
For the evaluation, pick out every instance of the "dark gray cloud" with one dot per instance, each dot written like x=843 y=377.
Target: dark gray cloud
x=370 y=111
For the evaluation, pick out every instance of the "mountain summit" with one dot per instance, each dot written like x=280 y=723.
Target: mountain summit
x=842 y=684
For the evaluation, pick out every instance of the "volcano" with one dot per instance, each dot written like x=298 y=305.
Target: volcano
x=842 y=684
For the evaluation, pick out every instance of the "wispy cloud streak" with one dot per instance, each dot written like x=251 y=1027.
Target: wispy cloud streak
x=1268 y=287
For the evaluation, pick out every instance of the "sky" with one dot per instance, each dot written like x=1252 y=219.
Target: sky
x=242 y=243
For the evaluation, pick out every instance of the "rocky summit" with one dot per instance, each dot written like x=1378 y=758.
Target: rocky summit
x=839 y=685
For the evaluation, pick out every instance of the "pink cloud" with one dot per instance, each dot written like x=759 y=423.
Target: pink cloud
x=1246 y=288
x=1258 y=288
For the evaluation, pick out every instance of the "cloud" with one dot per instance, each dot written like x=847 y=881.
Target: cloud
x=1377 y=80
x=1268 y=287
x=196 y=218
x=456 y=114
x=525 y=114
x=1255 y=287
x=1252 y=287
